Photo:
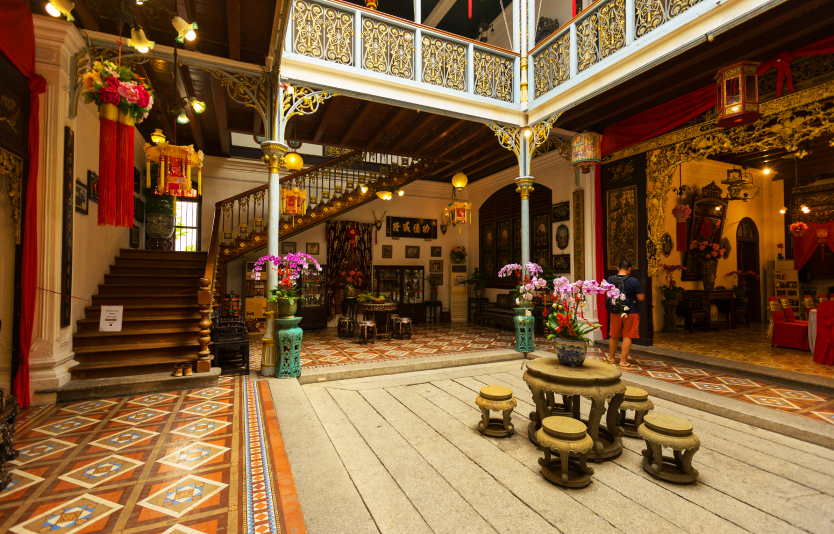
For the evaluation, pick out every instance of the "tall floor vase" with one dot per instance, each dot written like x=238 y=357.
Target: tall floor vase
x=289 y=347
x=525 y=330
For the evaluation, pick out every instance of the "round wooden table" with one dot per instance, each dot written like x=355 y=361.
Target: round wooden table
x=372 y=308
x=597 y=381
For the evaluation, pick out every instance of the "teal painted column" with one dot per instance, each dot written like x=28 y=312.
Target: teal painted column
x=289 y=347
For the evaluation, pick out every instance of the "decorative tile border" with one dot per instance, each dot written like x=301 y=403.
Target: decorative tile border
x=259 y=503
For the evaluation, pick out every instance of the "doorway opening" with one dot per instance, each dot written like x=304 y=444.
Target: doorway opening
x=747 y=258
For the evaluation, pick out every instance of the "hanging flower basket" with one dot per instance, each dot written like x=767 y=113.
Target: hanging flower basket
x=798 y=228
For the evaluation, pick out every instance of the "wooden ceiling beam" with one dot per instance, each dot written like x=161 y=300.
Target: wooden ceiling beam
x=394 y=115
x=218 y=93
x=476 y=132
x=183 y=87
x=184 y=11
x=326 y=117
x=160 y=110
x=89 y=21
x=414 y=129
x=450 y=129
x=357 y=120
x=497 y=166
x=233 y=21
x=477 y=166
x=478 y=150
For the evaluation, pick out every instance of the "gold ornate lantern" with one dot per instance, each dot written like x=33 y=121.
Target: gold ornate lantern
x=293 y=161
x=293 y=203
x=175 y=164
x=738 y=94
x=586 y=150
x=460 y=213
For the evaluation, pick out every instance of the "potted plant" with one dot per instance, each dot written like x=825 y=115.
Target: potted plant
x=740 y=289
x=433 y=286
x=708 y=254
x=160 y=214
x=798 y=228
x=287 y=293
x=351 y=277
x=458 y=254
x=670 y=288
x=569 y=328
x=527 y=284
x=780 y=246
x=478 y=282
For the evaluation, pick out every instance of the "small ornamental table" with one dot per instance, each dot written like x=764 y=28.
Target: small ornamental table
x=289 y=347
x=597 y=381
x=673 y=432
x=372 y=308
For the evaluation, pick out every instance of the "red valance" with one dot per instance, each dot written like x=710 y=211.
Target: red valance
x=17 y=42
x=804 y=246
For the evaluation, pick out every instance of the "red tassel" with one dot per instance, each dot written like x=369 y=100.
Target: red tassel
x=107 y=172
x=124 y=176
x=681 y=234
x=470 y=9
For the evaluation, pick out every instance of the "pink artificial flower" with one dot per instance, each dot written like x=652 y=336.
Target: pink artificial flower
x=109 y=95
x=144 y=97
x=109 y=80
x=130 y=92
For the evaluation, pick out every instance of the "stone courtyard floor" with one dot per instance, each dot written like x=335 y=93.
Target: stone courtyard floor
x=400 y=453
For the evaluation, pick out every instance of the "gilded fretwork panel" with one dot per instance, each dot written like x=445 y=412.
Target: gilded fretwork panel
x=444 y=63
x=578 y=234
x=621 y=211
x=676 y=7
x=649 y=14
x=493 y=76
x=11 y=170
x=388 y=49
x=587 y=46
x=611 y=27
x=819 y=198
x=308 y=18
x=551 y=67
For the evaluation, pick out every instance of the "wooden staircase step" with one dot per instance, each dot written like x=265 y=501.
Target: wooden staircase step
x=148 y=270
x=149 y=310
x=154 y=322
x=146 y=299
x=145 y=350
x=127 y=367
x=147 y=291
x=161 y=263
x=136 y=338
x=162 y=254
x=118 y=280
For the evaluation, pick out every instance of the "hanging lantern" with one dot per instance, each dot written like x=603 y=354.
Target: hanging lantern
x=460 y=212
x=293 y=203
x=459 y=181
x=371 y=4
x=738 y=94
x=681 y=212
x=822 y=237
x=157 y=136
x=175 y=164
x=585 y=150
x=293 y=161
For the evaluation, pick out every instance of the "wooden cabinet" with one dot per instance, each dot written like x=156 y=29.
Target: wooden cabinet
x=404 y=285
x=314 y=290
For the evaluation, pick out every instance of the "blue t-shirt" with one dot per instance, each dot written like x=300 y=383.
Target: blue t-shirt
x=632 y=289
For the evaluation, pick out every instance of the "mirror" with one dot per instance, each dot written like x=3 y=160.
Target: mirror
x=709 y=212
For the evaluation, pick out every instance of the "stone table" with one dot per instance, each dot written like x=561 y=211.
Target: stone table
x=597 y=381
x=372 y=308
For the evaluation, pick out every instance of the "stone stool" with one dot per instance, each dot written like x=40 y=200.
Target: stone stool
x=402 y=327
x=673 y=432
x=497 y=399
x=563 y=436
x=367 y=332
x=392 y=320
x=346 y=327
x=637 y=400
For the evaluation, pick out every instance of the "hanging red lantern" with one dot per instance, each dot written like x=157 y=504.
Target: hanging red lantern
x=681 y=212
x=738 y=94
x=175 y=164
x=371 y=4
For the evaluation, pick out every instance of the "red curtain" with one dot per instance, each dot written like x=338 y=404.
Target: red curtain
x=782 y=62
x=17 y=42
x=806 y=245
x=599 y=273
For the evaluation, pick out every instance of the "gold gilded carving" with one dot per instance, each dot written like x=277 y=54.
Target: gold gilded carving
x=820 y=198
x=562 y=146
x=338 y=33
x=309 y=29
x=622 y=226
x=12 y=114
x=579 y=234
x=587 y=48
x=622 y=173
x=510 y=138
x=444 y=63
x=524 y=187
x=551 y=67
x=611 y=27
x=676 y=7
x=303 y=101
x=493 y=76
x=388 y=49
x=649 y=15
x=12 y=166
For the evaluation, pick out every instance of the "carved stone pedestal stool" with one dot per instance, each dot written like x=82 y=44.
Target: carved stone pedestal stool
x=673 y=432
x=402 y=328
x=564 y=436
x=496 y=399
x=636 y=400
x=346 y=327
x=367 y=332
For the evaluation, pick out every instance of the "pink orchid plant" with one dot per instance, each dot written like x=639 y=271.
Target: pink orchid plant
x=528 y=284
x=567 y=320
x=289 y=269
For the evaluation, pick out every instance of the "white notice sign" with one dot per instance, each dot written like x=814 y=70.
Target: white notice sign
x=111 y=319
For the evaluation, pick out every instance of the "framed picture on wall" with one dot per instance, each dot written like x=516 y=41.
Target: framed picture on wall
x=387 y=251
x=313 y=249
x=138 y=210
x=288 y=247
x=437 y=278
x=561 y=212
x=436 y=252
x=82 y=203
x=134 y=237
x=412 y=252
x=436 y=266
x=92 y=185
x=561 y=263
x=562 y=237
x=137 y=181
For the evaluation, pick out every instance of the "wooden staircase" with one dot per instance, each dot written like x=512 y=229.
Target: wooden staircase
x=160 y=325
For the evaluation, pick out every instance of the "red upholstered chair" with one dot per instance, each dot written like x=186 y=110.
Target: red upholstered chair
x=793 y=335
x=787 y=312
x=821 y=298
x=824 y=345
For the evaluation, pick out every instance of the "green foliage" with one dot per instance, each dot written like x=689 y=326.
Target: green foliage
x=477 y=280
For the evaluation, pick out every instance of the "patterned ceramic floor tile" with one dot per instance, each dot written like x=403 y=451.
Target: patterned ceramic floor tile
x=207 y=408
x=797 y=395
x=140 y=416
x=776 y=402
x=69 y=517
x=210 y=393
x=741 y=382
x=709 y=386
x=183 y=495
x=198 y=429
x=182 y=529
x=192 y=455
x=20 y=480
x=100 y=471
x=88 y=406
x=41 y=450
x=153 y=399
x=124 y=438
x=825 y=416
x=65 y=426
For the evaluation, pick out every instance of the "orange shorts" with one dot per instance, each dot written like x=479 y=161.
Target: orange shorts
x=628 y=327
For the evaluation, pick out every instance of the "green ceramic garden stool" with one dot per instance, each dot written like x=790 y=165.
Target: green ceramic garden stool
x=289 y=347
x=525 y=326
x=496 y=399
x=673 y=432
x=568 y=439
x=636 y=400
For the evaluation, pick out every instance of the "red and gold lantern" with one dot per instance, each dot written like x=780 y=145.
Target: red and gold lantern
x=293 y=203
x=586 y=151
x=371 y=4
x=738 y=94
x=175 y=165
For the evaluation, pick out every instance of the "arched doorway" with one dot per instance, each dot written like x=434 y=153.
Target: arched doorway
x=747 y=258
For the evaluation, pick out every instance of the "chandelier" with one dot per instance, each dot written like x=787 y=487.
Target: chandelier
x=740 y=185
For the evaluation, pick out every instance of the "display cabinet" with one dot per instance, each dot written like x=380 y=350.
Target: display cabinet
x=314 y=309
x=254 y=298
x=404 y=285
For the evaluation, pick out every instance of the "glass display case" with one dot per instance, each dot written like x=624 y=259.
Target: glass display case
x=314 y=290
x=404 y=285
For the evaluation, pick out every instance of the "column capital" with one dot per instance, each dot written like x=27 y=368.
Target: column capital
x=524 y=186
x=274 y=153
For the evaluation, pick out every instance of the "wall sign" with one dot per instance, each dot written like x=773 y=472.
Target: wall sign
x=579 y=234
x=408 y=227
x=66 y=231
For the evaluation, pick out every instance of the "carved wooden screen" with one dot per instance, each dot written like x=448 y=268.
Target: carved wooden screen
x=500 y=231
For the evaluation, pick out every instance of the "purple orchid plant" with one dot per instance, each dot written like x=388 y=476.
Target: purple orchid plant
x=567 y=321
x=289 y=269
x=527 y=284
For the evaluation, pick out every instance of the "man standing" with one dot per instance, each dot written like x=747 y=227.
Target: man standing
x=623 y=316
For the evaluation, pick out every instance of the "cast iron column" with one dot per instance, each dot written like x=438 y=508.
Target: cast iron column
x=524 y=186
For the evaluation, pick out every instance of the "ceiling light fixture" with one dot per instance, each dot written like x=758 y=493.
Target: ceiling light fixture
x=783 y=211
x=400 y=192
x=56 y=8
x=158 y=137
x=766 y=170
x=197 y=105
x=182 y=118
x=185 y=31
x=384 y=195
x=805 y=209
x=293 y=161
x=364 y=189
x=528 y=132
x=139 y=41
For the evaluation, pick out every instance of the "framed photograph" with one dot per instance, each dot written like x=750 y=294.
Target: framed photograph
x=562 y=237
x=134 y=237
x=82 y=202
x=561 y=211
x=412 y=252
x=387 y=251
x=438 y=278
x=288 y=247
x=138 y=210
x=137 y=181
x=561 y=263
x=436 y=252
x=436 y=266
x=313 y=249
x=92 y=185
